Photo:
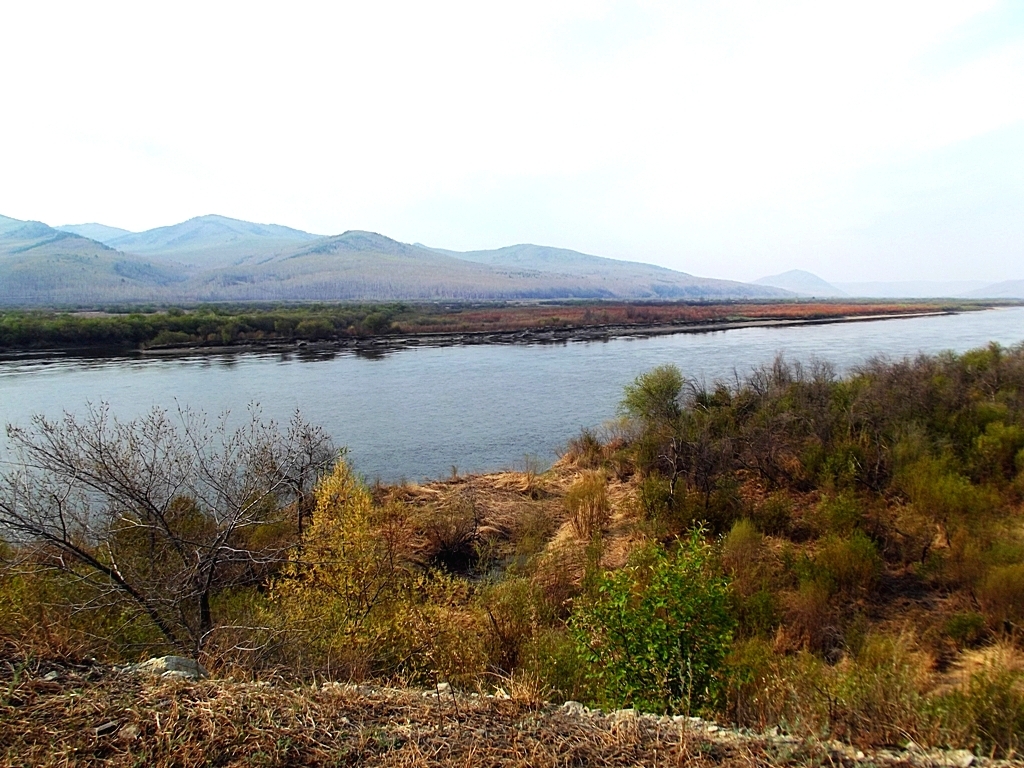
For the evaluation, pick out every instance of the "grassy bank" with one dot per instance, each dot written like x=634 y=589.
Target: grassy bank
x=225 y=325
x=837 y=557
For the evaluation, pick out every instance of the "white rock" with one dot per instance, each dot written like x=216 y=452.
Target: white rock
x=163 y=665
x=960 y=758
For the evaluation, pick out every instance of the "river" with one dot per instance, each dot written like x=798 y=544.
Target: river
x=417 y=413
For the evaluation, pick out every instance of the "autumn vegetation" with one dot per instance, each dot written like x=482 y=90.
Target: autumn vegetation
x=219 y=325
x=837 y=557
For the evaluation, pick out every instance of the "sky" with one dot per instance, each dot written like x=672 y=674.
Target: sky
x=858 y=140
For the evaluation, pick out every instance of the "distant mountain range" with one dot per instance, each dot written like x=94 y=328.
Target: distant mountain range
x=808 y=284
x=214 y=258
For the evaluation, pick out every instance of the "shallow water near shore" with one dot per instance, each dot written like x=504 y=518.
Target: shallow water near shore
x=416 y=413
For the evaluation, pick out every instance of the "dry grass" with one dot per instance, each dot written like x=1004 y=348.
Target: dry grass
x=93 y=716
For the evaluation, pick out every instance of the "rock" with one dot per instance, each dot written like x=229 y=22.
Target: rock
x=106 y=728
x=171 y=666
x=960 y=758
x=574 y=708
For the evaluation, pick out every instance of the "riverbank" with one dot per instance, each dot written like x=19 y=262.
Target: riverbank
x=209 y=329
x=542 y=335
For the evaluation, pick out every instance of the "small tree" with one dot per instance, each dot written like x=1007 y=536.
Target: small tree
x=657 y=631
x=160 y=513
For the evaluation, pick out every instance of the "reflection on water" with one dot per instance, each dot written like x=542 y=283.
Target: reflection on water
x=416 y=412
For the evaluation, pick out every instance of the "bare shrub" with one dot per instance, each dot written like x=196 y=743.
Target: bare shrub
x=157 y=515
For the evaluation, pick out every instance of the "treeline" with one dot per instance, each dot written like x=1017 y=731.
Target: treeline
x=132 y=327
x=205 y=325
x=837 y=556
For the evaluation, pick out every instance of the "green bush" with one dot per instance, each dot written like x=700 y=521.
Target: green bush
x=848 y=565
x=656 y=632
x=841 y=513
x=965 y=629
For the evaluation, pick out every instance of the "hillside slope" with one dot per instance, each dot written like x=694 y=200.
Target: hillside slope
x=1007 y=289
x=366 y=265
x=802 y=282
x=211 y=241
x=213 y=258
x=40 y=265
x=101 y=233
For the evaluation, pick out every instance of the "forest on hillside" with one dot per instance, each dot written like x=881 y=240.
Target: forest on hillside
x=837 y=556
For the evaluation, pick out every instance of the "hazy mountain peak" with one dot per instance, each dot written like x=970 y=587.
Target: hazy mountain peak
x=212 y=240
x=803 y=282
x=545 y=258
x=101 y=233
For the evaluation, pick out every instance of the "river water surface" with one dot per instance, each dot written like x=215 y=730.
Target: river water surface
x=416 y=413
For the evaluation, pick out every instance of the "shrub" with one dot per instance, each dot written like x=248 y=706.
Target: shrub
x=587 y=504
x=1001 y=594
x=986 y=714
x=849 y=565
x=878 y=693
x=810 y=615
x=872 y=698
x=585 y=450
x=344 y=591
x=655 y=634
x=742 y=551
x=451 y=532
x=773 y=515
x=555 y=658
x=511 y=607
x=841 y=513
x=965 y=629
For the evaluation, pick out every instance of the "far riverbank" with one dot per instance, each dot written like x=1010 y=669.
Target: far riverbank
x=217 y=328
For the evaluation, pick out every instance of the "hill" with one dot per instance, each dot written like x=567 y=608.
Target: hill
x=213 y=258
x=911 y=289
x=211 y=241
x=1008 y=289
x=40 y=265
x=367 y=265
x=802 y=282
x=101 y=233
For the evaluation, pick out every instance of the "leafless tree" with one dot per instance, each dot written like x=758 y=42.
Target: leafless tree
x=161 y=512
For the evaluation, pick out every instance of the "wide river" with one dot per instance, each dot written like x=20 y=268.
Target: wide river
x=416 y=413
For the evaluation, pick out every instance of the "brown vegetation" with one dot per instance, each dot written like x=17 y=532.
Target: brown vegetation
x=869 y=531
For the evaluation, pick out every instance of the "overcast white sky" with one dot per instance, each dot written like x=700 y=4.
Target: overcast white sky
x=861 y=140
